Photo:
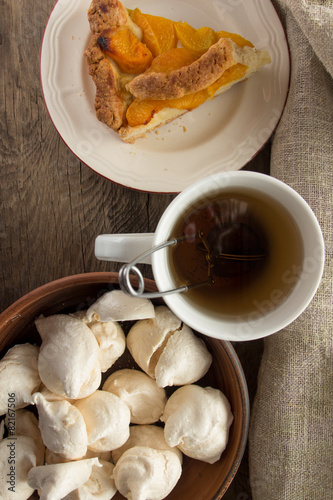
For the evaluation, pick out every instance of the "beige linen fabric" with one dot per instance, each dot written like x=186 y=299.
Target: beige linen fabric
x=291 y=431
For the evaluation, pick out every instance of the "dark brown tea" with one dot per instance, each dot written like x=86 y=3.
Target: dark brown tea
x=242 y=247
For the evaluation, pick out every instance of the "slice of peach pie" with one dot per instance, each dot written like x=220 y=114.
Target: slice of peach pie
x=149 y=70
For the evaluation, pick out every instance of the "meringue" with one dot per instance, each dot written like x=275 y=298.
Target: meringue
x=55 y=481
x=99 y=486
x=146 y=435
x=110 y=337
x=117 y=306
x=62 y=427
x=143 y=473
x=147 y=338
x=168 y=350
x=144 y=398
x=19 y=377
x=18 y=454
x=25 y=423
x=184 y=360
x=197 y=420
x=107 y=419
x=68 y=361
x=111 y=341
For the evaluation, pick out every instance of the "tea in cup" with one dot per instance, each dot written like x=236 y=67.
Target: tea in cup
x=246 y=248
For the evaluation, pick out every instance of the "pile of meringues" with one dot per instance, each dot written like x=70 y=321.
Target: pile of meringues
x=92 y=438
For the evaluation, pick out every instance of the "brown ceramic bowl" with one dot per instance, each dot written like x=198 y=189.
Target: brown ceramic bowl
x=199 y=480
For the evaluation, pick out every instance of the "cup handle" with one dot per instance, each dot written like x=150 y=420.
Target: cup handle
x=123 y=247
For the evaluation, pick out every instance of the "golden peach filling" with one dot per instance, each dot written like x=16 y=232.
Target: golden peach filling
x=158 y=51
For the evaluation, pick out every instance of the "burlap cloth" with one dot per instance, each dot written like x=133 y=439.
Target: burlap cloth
x=291 y=429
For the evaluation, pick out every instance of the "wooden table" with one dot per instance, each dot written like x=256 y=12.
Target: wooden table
x=52 y=205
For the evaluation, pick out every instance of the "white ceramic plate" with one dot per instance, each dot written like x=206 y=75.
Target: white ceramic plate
x=223 y=134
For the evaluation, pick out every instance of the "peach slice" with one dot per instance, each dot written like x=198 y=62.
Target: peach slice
x=141 y=111
x=197 y=40
x=122 y=46
x=158 y=33
x=236 y=72
x=172 y=59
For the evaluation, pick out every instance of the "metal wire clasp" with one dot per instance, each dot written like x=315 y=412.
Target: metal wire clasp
x=127 y=269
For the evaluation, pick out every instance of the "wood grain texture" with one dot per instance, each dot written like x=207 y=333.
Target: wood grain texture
x=53 y=206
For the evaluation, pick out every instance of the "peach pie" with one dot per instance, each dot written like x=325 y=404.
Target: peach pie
x=149 y=70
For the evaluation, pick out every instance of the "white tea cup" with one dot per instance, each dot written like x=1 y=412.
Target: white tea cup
x=268 y=315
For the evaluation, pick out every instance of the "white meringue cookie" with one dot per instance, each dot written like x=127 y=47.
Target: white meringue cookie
x=68 y=361
x=62 y=427
x=147 y=338
x=143 y=473
x=100 y=485
x=168 y=350
x=107 y=419
x=55 y=481
x=19 y=377
x=24 y=423
x=184 y=360
x=144 y=398
x=111 y=341
x=110 y=337
x=17 y=457
x=117 y=306
x=197 y=420
x=146 y=435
